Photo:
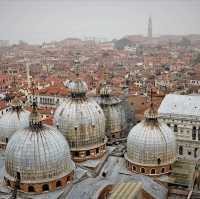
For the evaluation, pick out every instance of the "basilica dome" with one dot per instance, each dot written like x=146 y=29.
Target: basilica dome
x=82 y=122
x=41 y=155
x=151 y=146
x=12 y=120
x=113 y=111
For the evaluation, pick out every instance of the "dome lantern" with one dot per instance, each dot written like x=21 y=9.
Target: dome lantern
x=35 y=120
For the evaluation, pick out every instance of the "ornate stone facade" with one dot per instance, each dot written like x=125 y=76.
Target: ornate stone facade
x=182 y=114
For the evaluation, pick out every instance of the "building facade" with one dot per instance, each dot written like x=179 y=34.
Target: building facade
x=182 y=114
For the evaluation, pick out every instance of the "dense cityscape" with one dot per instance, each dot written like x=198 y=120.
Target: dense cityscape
x=95 y=119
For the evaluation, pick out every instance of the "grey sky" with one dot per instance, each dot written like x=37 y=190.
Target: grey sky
x=37 y=21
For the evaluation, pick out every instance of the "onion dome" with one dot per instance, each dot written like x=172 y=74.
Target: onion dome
x=41 y=155
x=12 y=120
x=114 y=113
x=151 y=146
x=82 y=122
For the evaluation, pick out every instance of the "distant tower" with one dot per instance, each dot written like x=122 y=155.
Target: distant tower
x=149 y=28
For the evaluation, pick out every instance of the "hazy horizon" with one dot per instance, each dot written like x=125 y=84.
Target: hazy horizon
x=39 y=21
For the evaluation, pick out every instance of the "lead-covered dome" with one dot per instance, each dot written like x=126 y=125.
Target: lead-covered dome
x=114 y=113
x=151 y=146
x=82 y=122
x=41 y=155
x=77 y=87
x=14 y=119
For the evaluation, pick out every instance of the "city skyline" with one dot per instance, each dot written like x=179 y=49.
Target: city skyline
x=36 y=22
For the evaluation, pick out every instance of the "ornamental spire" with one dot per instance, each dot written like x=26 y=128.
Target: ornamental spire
x=35 y=120
x=151 y=113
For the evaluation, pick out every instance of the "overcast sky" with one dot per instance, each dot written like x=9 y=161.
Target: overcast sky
x=36 y=21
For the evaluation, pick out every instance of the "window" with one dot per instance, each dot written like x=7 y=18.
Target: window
x=45 y=187
x=133 y=168
x=163 y=170
x=68 y=178
x=97 y=150
x=168 y=124
x=195 y=152
x=88 y=153
x=175 y=128
x=58 y=184
x=31 y=189
x=189 y=152
x=8 y=183
x=194 y=133
x=153 y=171
x=142 y=170
x=159 y=160
x=180 y=150
x=76 y=153
x=199 y=133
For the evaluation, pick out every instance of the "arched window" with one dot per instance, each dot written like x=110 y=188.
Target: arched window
x=175 y=128
x=195 y=152
x=159 y=160
x=199 y=133
x=68 y=178
x=76 y=154
x=87 y=153
x=163 y=170
x=58 y=183
x=194 y=133
x=45 y=187
x=180 y=150
x=133 y=168
x=153 y=171
x=142 y=170
x=31 y=189
x=8 y=183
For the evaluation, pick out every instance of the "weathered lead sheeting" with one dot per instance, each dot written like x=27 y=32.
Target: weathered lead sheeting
x=39 y=156
x=185 y=105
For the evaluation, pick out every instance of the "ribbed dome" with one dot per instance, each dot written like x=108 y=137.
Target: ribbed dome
x=39 y=154
x=105 y=90
x=115 y=118
x=113 y=111
x=151 y=141
x=77 y=87
x=14 y=119
x=82 y=121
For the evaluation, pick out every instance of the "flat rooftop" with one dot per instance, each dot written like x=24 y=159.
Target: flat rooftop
x=182 y=174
